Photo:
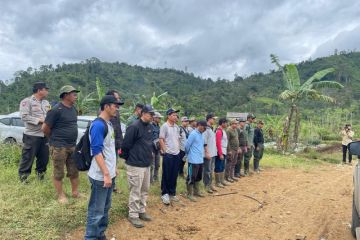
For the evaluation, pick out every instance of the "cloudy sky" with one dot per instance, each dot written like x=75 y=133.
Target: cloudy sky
x=213 y=38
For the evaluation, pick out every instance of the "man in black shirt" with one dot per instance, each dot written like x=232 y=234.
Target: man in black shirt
x=61 y=127
x=137 y=149
x=259 y=145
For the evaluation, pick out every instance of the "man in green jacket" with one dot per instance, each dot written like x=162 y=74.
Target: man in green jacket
x=249 y=130
x=242 y=147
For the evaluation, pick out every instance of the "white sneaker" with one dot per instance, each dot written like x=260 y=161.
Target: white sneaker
x=165 y=199
x=174 y=198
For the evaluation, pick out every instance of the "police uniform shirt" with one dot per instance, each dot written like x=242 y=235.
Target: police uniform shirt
x=31 y=111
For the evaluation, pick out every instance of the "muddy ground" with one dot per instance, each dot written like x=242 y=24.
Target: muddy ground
x=315 y=204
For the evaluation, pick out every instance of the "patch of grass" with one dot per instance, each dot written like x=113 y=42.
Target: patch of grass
x=288 y=161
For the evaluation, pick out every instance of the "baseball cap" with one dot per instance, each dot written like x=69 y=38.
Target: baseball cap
x=209 y=116
x=109 y=99
x=40 y=85
x=67 y=89
x=184 y=119
x=260 y=122
x=201 y=123
x=234 y=121
x=157 y=115
x=147 y=109
x=192 y=119
x=241 y=119
x=250 y=115
x=170 y=111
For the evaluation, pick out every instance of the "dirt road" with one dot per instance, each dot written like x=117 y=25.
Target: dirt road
x=315 y=204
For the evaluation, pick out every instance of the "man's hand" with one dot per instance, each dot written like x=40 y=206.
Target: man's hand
x=257 y=148
x=239 y=151
x=107 y=181
x=162 y=152
x=207 y=156
x=41 y=120
x=222 y=157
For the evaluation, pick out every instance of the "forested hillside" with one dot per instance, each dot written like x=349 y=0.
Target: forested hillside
x=257 y=93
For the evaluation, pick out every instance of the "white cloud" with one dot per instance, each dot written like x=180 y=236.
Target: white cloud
x=210 y=38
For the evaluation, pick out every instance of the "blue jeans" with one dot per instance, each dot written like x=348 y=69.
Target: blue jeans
x=98 y=209
x=220 y=164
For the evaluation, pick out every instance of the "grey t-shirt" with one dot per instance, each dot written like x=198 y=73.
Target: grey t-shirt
x=62 y=121
x=171 y=136
x=210 y=141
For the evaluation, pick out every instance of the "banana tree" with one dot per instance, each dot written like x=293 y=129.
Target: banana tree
x=296 y=92
x=84 y=102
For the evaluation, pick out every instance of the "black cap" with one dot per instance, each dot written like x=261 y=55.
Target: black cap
x=170 y=111
x=147 y=109
x=222 y=120
x=139 y=105
x=209 y=116
x=109 y=99
x=40 y=85
x=201 y=123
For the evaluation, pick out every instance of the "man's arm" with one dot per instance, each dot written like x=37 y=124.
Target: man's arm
x=129 y=140
x=46 y=130
x=161 y=139
x=189 y=142
x=25 y=113
x=218 y=143
x=101 y=163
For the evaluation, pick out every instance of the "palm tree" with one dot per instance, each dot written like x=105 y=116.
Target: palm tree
x=296 y=92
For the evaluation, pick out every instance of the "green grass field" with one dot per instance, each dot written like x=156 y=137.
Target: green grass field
x=30 y=211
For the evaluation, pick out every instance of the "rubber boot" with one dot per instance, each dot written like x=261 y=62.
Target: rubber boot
x=208 y=189
x=190 y=192
x=232 y=175
x=229 y=179
x=222 y=179
x=197 y=192
x=218 y=180
x=212 y=187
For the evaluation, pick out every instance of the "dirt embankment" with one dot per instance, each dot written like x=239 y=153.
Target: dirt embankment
x=294 y=203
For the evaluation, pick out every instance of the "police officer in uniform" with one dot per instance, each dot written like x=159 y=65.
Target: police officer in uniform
x=33 y=111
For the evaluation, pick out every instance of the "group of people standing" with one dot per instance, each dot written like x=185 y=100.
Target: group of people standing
x=214 y=156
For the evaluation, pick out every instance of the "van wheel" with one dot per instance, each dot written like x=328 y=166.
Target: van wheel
x=355 y=221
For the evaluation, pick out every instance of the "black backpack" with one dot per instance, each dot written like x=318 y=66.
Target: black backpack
x=82 y=155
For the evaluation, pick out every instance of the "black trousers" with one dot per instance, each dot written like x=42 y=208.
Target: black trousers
x=194 y=173
x=34 y=147
x=345 y=149
x=170 y=170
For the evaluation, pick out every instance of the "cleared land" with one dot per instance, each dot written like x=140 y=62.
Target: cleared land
x=315 y=203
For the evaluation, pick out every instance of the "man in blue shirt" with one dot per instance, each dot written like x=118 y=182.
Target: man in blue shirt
x=102 y=171
x=194 y=149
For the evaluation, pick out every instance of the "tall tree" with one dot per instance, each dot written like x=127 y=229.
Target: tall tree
x=296 y=92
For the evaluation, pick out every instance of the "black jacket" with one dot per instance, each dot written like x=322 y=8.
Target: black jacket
x=115 y=121
x=258 y=137
x=137 y=147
